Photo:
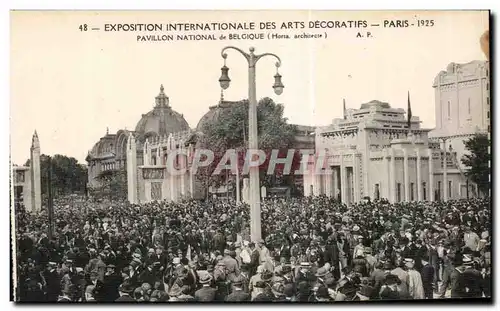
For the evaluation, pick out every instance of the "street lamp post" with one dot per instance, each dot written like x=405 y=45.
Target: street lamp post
x=252 y=59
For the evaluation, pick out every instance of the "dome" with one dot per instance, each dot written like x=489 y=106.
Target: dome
x=162 y=120
x=375 y=103
x=214 y=112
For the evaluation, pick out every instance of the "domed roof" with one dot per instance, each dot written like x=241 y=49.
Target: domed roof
x=162 y=120
x=375 y=103
x=214 y=112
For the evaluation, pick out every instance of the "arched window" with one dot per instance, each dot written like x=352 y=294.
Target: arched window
x=153 y=160
x=449 y=109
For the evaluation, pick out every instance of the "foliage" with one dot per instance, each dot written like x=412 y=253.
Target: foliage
x=68 y=176
x=477 y=161
x=229 y=130
x=113 y=184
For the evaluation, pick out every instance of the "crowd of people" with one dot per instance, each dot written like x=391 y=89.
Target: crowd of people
x=313 y=249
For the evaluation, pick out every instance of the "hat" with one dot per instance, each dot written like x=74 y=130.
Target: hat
x=355 y=228
x=176 y=261
x=69 y=261
x=205 y=278
x=278 y=289
x=321 y=272
x=391 y=279
x=305 y=264
x=237 y=281
x=467 y=260
x=368 y=250
x=366 y=290
x=175 y=291
x=125 y=287
x=51 y=263
x=78 y=269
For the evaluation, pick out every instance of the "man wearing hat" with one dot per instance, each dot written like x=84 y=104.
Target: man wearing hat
x=238 y=293
x=415 y=286
x=205 y=293
x=53 y=282
x=472 y=280
x=112 y=281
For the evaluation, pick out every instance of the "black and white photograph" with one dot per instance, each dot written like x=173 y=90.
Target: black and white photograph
x=290 y=156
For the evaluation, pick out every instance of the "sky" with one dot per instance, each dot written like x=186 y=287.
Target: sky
x=71 y=85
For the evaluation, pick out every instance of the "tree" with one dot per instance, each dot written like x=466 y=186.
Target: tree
x=229 y=130
x=477 y=161
x=68 y=176
x=113 y=184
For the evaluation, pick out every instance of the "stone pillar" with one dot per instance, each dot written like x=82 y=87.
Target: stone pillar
x=35 y=175
x=419 y=175
x=356 y=177
x=147 y=153
x=385 y=188
x=343 y=180
x=392 y=185
x=132 y=169
x=245 y=190
x=431 y=176
x=328 y=182
x=406 y=175
x=147 y=190
x=335 y=175
x=445 y=172
x=182 y=162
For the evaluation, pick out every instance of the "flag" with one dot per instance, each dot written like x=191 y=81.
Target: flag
x=345 y=111
x=409 y=111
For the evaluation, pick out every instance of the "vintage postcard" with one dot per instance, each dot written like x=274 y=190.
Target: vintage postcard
x=271 y=156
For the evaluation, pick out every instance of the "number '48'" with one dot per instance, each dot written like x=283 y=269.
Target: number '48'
x=83 y=27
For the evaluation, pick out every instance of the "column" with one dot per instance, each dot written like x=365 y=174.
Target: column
x=328 y=182
x=445 y=172
x=355 y=172
x=335 y=175
x=431 y=177
x=147 y=190
x=343 y=180
x=419 y=175
x=385 y=191
x=406 y=175
x=392 y=185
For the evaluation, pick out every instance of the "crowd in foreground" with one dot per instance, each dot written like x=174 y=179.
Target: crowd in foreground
x=313 y=250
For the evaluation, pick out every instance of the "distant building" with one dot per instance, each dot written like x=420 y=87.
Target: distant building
x=372 y=153
x=143 y=153
x=27 y=180
x=462 y=103
x=110 y=152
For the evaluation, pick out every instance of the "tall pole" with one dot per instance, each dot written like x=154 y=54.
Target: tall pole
x=238 y=200
x=253 y=145
x=50 y=203
x=252 y=59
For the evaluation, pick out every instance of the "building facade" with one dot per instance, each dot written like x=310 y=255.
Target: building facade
x=27 y=180
x=110 y=152
x=462 y=103
x=372 y=153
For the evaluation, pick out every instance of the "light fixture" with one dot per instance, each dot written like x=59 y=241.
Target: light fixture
x=224 y=78
x=278 y=85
